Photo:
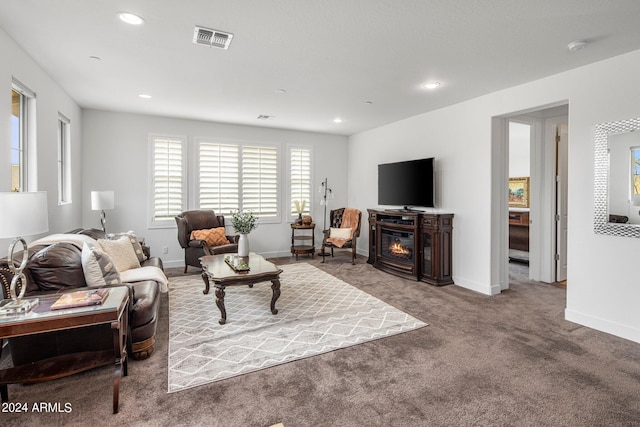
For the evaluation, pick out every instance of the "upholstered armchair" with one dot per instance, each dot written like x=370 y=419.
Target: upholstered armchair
x=343 y=232
x=209 y=237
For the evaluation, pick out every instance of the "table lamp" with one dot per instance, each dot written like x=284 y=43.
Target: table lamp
x=21 y=214
x=101 y=201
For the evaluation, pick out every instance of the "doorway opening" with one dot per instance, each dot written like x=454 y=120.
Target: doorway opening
x=529 y=150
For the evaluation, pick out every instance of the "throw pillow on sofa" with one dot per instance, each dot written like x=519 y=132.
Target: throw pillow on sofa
x=213 y=236
x=98 y=267
x=57 y=266
x=135 y=243
x=121 y=253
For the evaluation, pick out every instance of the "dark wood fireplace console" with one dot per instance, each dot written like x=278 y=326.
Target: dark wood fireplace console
x=412 y=244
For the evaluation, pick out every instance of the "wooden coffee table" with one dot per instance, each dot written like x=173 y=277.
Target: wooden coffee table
x=42 y=319
x=216 y=270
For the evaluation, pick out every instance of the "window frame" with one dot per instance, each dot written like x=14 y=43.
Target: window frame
x=261 y=219
x=634 y=173
x=27 y=137
x=195 y=175
x=292 y=215
x=167 y=222
x=64 y=160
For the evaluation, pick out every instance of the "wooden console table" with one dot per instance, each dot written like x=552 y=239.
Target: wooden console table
x=42 y=319
x=415 y=245
x=519 y=230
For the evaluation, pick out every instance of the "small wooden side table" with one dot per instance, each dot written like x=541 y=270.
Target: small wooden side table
x=299 y=232
x=113 y=311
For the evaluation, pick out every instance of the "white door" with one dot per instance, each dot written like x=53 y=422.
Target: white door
x=561 y=202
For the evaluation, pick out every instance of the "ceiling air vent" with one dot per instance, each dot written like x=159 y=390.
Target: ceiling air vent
x=212 y=38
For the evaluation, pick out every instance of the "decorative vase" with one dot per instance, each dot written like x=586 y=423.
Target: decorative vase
x=243 y=244
x=299 y=222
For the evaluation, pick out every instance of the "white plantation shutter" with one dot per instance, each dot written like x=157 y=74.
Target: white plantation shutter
x=219 y=177
x=260 y=180
x=168 y=178
x=300 y=178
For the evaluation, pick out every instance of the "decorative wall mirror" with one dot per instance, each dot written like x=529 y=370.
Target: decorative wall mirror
x=613 y=179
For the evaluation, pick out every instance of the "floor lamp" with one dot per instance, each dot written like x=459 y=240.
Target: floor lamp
x=326 y=194
x=21 y=214
x=101 y=201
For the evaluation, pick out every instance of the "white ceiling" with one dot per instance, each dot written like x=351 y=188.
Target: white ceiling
x=331 y=56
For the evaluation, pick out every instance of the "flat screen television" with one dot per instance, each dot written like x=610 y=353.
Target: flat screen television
x=408 y=184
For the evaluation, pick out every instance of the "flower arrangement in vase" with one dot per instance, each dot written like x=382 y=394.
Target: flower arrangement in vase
x=243 y=223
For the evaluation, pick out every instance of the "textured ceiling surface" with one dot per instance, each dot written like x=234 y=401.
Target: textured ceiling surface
x=361 y=60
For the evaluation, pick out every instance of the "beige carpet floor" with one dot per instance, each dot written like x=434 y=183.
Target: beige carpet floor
x=506 y=360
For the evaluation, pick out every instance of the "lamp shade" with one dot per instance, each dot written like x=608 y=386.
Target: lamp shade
x=102 y=200
x=23 y=214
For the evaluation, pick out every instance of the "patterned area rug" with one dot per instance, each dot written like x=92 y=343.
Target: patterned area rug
x=317 y=313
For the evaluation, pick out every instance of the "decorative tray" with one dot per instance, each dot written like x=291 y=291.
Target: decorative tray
x=241 y=266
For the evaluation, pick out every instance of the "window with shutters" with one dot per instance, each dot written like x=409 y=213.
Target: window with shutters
x=300 y=179
x=234 y=177
x=260 y=181
x=219 y=177
x=224 y=177
x=168 y=186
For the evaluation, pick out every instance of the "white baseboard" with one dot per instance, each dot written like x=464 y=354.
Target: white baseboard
x=173 y=264
x=482 y=288
x=623 y=331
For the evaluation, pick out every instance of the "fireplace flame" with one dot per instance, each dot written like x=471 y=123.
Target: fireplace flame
x=398 y=250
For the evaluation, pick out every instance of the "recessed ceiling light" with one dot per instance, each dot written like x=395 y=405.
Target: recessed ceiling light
x=337 y=120
x=95 y=58
x=281 y=91
x=144 y=96
x=130 y=18
x=368 y=102
x=577 y=45
x=431 y=85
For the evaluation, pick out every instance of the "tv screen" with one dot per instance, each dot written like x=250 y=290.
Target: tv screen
x=409 y=183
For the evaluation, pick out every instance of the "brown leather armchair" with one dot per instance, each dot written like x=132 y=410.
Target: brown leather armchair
x=189 y=221
x=335 y=221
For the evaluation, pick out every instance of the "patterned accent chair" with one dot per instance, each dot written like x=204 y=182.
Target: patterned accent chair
x=189 y=221
x=335 y=221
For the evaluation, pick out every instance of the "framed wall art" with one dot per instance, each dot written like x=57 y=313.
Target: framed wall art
x=519 y=192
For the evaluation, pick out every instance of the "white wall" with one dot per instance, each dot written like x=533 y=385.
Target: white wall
x=602 y=290
x=115 y=157
x=519 y=149
x=50 y=100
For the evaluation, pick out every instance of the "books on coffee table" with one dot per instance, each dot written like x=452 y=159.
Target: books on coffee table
x=81 y=299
